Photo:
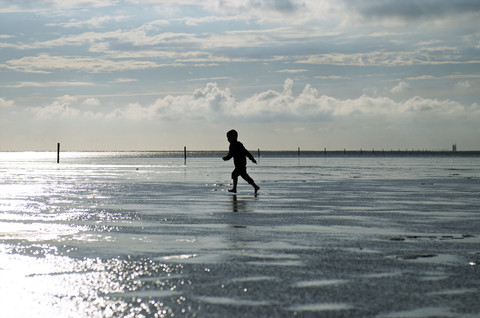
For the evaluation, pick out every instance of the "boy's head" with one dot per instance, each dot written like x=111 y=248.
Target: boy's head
x=232 y=135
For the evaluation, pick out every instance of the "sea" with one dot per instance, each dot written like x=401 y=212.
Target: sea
x=157 y=234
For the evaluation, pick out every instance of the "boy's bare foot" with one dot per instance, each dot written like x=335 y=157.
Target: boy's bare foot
x=256 y=188
x=232 y=190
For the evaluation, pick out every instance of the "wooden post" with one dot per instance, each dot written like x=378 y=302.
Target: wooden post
x=258 y=153
x=185 y=154
x=325 y=151
x=298 y=151
x=58 y=152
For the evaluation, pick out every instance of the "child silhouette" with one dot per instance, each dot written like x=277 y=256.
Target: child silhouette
x=239 y=154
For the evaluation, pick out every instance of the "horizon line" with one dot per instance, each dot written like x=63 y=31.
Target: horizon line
x=372 y=150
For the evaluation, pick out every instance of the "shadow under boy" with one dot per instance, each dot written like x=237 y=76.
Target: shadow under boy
x=239 y=154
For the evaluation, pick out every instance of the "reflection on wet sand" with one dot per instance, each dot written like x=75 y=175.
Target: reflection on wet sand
x=238 y=205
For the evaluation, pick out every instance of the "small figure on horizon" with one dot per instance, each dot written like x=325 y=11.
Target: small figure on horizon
x=239 y=154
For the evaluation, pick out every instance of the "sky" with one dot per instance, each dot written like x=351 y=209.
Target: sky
x=164 y=74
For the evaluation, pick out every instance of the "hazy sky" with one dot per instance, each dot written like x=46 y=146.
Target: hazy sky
x=163 y=74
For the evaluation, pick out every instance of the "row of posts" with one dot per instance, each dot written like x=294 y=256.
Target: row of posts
x=258 y=152
x=185 y=153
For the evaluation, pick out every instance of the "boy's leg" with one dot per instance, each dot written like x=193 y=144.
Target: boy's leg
x=235 y=173
x=250 y=181
x=255 y=187
x=234 y=189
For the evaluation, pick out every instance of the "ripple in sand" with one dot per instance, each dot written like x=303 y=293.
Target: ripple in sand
x=321 y=307
x=460 y=291
x=414 y=256
x=232 y=301
x=431 y=258
x=421 y=313
x=320 y=283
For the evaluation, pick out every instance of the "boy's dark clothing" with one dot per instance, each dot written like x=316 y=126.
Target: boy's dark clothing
x=239 y=154
x=242 y=172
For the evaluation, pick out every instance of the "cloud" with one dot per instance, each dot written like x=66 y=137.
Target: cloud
x=293 y=71
x=386 y=58
x=453 y=76
x=191 y=21
x=45 y=64
x=464 y=84
x=401 y=87
x=411 y=10
x=213 y=103
x=294 y=12
x=125 y=80
x=95 y=22
x=145 y=35
x=91 y=102
x=363 y=120
x=45 y=6
x=279 y=6
x=49 y=84
x=332 y=77
x=4 y=103
x=348 y=12
x=209 y=78
x=61 y=108
x=208 y=103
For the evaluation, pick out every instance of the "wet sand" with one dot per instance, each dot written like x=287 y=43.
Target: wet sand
x=395 y=237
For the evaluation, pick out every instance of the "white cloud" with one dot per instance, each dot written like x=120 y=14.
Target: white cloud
x=91 y=102
x=293 y=71
x=125 y=80
x=45 y=63
x=49 y=84
x=95 y=22
x=453 y=76
x=290 y=11
x=213 y=103
x=6 y=103
x=384 y=58
x=151 y=34
x=401 y=87
x=67 y=107
x=47 y=5
x=60 y=108
x=209 y=78
x=344 y=121
x=464 y=84
x=211 y=19
x=208 y=103
x=332 y=77
x=144 y=35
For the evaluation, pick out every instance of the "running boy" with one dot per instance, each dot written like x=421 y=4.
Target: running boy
x=239 y=154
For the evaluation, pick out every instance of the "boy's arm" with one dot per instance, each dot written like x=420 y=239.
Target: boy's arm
x=249 y=155
x=230 y=154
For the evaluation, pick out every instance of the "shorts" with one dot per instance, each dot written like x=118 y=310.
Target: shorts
x=242 y=172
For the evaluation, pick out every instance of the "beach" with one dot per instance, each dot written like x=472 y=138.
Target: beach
x=145 y=234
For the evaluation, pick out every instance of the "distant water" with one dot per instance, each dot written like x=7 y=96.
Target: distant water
x=141 y=234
